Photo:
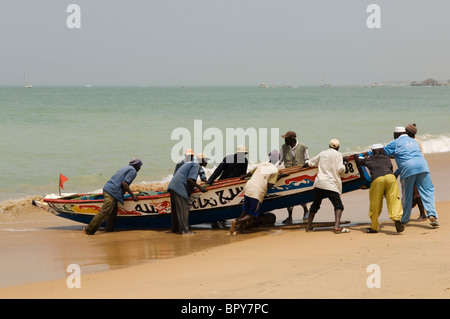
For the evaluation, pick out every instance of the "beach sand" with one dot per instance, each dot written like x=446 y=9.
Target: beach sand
x=274 y=263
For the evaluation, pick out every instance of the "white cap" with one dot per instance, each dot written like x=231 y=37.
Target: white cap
x=334 y=143
x=375 y=146
x=399 y=129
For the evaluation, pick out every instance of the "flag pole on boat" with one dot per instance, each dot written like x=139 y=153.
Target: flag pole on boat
x=62 y=180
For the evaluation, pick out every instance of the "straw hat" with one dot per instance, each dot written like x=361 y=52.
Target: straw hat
x=241 y=149
x=202 y=156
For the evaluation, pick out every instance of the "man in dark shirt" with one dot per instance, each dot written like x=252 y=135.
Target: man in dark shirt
x=234 y=165
x=384 y=183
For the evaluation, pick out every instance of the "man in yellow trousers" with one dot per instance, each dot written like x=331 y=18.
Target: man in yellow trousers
x=384 y=184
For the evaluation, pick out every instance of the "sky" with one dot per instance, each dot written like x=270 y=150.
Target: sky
x=226 y=42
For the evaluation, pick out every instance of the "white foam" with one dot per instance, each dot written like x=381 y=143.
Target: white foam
x=435 y=143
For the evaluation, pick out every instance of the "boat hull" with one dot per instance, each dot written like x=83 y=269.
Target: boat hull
x=222 y=201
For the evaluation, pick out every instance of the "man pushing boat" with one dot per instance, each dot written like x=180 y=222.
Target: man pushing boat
x=114 y=191
x=263 y=177
x=180 y=188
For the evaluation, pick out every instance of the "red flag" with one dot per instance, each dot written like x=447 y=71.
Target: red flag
x=62 y=180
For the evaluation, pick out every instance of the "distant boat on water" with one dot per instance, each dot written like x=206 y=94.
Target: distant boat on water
x=263 y=85
x=26 y=81
x=323 y=84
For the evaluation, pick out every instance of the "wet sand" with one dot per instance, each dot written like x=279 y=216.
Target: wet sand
x=37 y=247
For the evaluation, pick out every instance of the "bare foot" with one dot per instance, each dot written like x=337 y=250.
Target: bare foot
x=233 y=228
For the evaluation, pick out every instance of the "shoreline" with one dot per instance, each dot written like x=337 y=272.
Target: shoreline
x=276 y=263
x=287 y=265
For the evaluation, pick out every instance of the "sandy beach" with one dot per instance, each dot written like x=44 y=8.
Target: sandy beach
x=269 y=263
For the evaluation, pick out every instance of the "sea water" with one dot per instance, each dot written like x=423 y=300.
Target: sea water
x=87 y=133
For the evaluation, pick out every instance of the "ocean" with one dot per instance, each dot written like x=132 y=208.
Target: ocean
x=87 y=133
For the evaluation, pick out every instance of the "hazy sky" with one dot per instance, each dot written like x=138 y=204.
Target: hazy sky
x=226 y=42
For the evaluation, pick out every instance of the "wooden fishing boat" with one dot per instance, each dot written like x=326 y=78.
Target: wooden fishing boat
x=223 y=200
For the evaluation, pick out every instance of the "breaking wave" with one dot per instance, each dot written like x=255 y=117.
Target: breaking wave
x=435 y=143
x=430 y=144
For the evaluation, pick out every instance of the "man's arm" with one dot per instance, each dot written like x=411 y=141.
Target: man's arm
x=202 y=175
x=194 y=184
x=281 y=175
x=129 y=191
x=245 y=176
x=216 y=173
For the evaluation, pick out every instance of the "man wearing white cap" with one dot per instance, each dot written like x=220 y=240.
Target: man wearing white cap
x=414 y=171
x=114 y=191
x=399 y=130
x=384 y=183
x=328 y=183
x=234 y=165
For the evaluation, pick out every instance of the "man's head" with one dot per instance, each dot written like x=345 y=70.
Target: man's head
x=399 y=130
x=411 y=130
x=377 y=149
x=274 y=156
x=202 y=159
x=290 y=138
x=136 y=163
x=189 y=154
x=241 y=149
x=334 y=144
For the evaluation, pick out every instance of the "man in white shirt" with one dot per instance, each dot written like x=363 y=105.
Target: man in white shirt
x=328 y=183
x=263 y=177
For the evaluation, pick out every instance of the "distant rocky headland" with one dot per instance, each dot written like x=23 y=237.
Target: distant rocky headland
x=430 y=82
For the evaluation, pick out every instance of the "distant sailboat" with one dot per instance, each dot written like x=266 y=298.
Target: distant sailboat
x=26 y=82
x=323 y=84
